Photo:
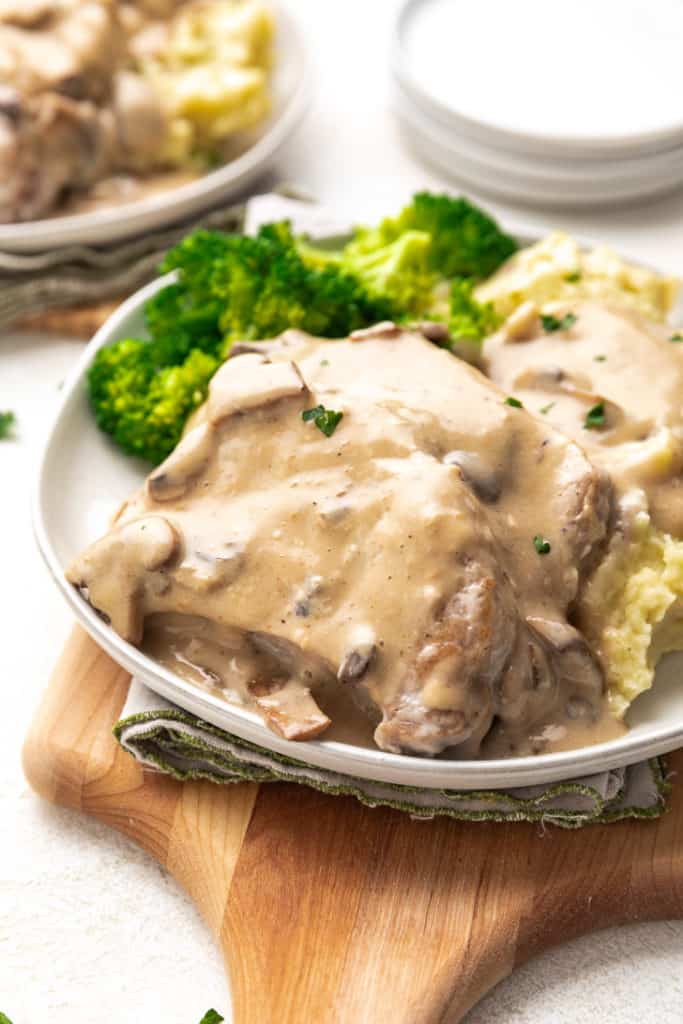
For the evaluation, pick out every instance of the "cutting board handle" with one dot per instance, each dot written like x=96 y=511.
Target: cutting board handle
x=333 y=913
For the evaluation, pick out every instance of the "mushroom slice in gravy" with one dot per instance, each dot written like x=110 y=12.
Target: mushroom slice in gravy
x=614 y=384
x=395 y=563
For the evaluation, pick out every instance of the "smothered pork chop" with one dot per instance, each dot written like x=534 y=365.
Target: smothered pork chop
x=420 y=553
x=612 y=379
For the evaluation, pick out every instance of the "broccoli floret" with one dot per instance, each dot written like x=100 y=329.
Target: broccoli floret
x=468 y=318
x=229 y=287
x=142 y=402
x=399 y=270
x=465 y=241
x=232 y=287
x=260 y=286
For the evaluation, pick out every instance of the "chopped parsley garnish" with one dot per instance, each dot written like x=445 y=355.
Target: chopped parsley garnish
x=546 y=408
x=595 y=417
x=210 y=1017
x=325 y=420
x=541 y=544
x=553 y=323
x=601 y=359
x=573 y=277
x=514 y=402
x=324 y=362
x=7 y=422
x=676 y=337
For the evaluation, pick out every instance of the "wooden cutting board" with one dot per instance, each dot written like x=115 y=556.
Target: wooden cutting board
x=332 y=913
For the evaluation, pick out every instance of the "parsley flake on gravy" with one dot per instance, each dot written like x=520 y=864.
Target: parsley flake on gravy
x=514 y=402
x=676 y=337
x=7 y=422
x=552 y=323
x=546 y=408
x=541 y=544
x=326 y=420
x=595 y=417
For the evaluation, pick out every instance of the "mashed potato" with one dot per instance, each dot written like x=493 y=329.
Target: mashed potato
x=556 y=269
x=212 y=74
x=632 y=610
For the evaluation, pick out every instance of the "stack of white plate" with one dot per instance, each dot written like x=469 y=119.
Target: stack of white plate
x=550 y=104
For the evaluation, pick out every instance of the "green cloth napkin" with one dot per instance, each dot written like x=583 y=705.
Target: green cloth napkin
x=163 y=737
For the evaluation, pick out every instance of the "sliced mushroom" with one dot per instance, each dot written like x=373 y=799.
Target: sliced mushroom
x=249 y=382
x=289 y=708
x=205 y=571
x=521 y=325
x=112 y=574
x=432 y=330
x=356 y=662
x=384 y=329
x=172 y=478
x=485 y=483
x=572 y=660
x=305 y=596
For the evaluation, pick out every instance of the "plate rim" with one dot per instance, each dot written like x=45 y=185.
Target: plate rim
x=125 y=220
x=558 y=172
x=458 y=167
x=341 y=758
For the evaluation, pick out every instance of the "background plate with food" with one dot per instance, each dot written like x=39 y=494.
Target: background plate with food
x=116 y=118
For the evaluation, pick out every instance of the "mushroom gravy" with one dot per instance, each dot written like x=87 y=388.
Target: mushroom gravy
x=612 y=358
x=422 y=562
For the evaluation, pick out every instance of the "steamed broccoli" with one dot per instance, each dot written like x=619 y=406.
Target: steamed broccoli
x=260 y=286
x=434 y=239
x=469 y=319
x=232 y=287
x=143 y=400
x=228 y=287
x=464 y=241
x=399 y=270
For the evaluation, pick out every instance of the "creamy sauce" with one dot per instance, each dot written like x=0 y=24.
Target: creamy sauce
x=393 y=561
x=124 y=188
x=220 y=661
x=616 y=358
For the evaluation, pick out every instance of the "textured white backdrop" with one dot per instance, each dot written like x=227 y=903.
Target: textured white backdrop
x=90 y=928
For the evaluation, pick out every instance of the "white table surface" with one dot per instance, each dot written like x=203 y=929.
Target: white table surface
x=91 y=929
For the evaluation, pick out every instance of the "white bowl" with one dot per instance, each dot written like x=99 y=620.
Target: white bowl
x=291 y=95
x=83 y=477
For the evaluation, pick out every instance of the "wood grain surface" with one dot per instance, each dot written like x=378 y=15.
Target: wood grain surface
x=329 y=912
x=73 y=321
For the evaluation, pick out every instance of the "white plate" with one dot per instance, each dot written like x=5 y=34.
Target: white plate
x=433 y=146
x=549 y=167
x=291 y=95
x=529 y=76
x=83 y=478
